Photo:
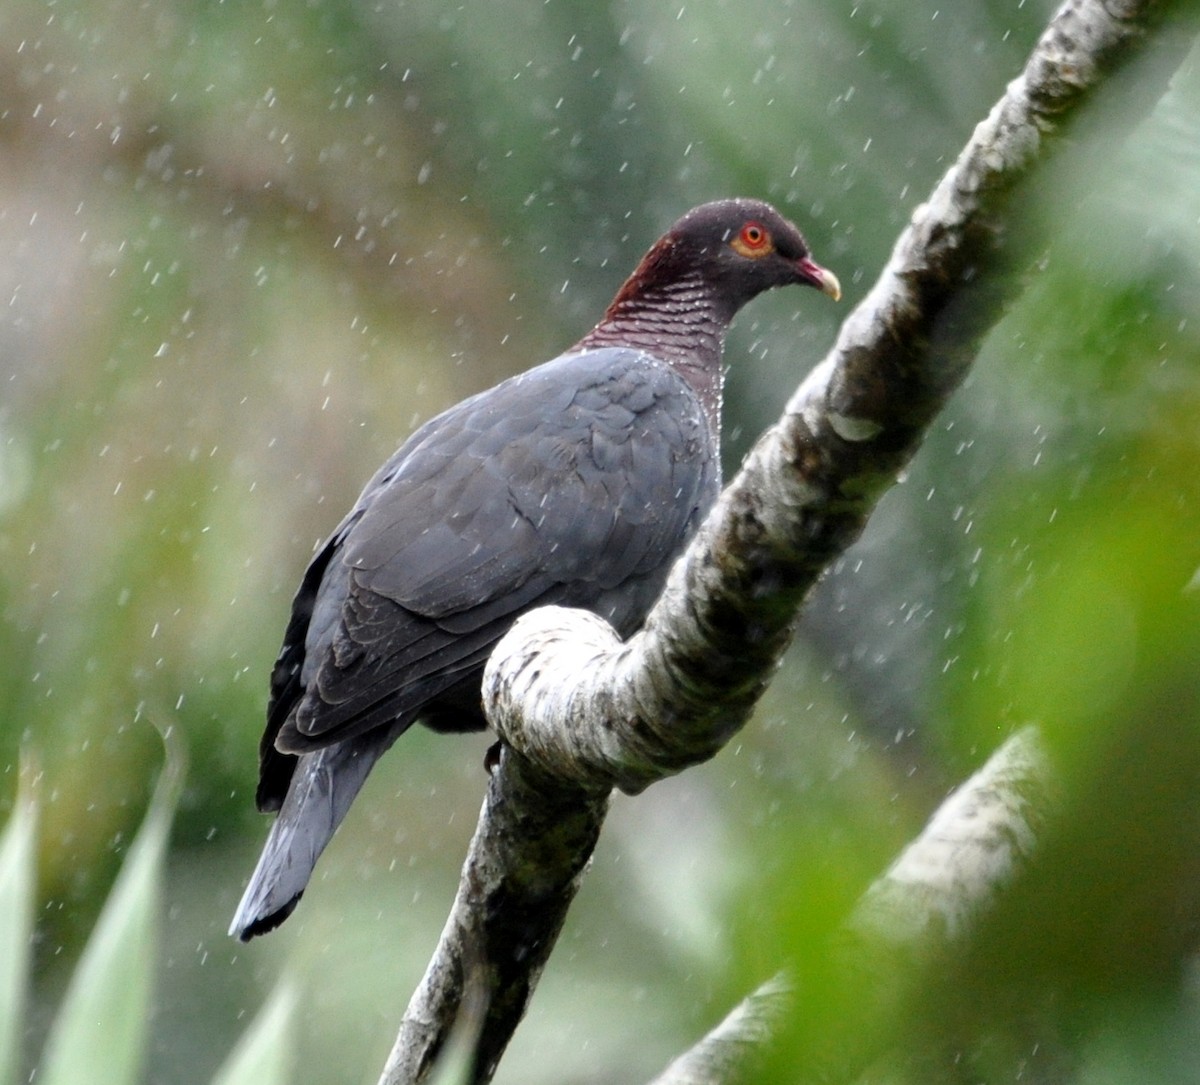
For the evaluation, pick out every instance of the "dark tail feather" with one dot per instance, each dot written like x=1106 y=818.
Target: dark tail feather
x=320 y=793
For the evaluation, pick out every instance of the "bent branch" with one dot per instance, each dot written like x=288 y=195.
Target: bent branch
x=580 y=713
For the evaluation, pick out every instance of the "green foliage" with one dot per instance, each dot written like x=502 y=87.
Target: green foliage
x=101 y=1029
x=263 y=1056
x=16 y=925
x=249 y=246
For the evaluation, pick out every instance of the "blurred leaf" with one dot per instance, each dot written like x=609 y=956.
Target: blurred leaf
x=100 y=1033
x=249 y=247
x=454 y=1067
x=454 y=1063
x=17 y=878
x=263 y=1056
x=1143 y=1041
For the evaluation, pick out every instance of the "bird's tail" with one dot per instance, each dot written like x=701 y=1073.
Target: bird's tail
x=322 y=788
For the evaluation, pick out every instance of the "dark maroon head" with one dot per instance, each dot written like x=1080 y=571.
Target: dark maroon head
x=679 y=301
x=738 y=248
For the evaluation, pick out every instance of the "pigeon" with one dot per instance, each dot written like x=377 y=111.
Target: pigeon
x=575 y=483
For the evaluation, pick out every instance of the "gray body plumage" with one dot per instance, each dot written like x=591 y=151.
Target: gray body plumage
x=575 y=483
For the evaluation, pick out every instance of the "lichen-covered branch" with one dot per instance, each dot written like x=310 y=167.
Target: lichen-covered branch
x=533 y=840
x=587 y=707
x=726 y=1054
x=973 y=847
x=581 y=713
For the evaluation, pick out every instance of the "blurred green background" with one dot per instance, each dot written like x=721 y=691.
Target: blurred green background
x=246 y=246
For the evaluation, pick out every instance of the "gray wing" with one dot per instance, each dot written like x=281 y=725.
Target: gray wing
x=577 y=482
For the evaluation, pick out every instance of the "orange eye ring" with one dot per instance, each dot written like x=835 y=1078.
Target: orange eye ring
x=754 y=235
x=753 y=240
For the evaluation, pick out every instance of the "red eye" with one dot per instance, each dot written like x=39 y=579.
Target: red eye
x=753 y=236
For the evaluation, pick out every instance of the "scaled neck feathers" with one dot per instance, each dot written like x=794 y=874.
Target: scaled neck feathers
x=675 y=315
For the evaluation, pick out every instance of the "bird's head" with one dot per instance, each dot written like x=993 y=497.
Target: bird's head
x=742 y=247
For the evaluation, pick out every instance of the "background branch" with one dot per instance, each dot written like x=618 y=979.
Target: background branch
x=588 y=713
x=973 y=847
x=975 y=844
x=727 y=1053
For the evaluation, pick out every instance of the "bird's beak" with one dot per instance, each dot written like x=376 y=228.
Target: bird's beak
x=822 y=278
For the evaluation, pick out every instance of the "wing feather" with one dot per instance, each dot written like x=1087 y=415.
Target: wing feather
x=576 y=482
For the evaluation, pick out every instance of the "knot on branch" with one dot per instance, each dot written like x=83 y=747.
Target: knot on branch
x=567 y=694
x=538 y=695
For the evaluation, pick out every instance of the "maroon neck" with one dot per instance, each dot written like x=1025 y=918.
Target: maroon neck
x=681 y=322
